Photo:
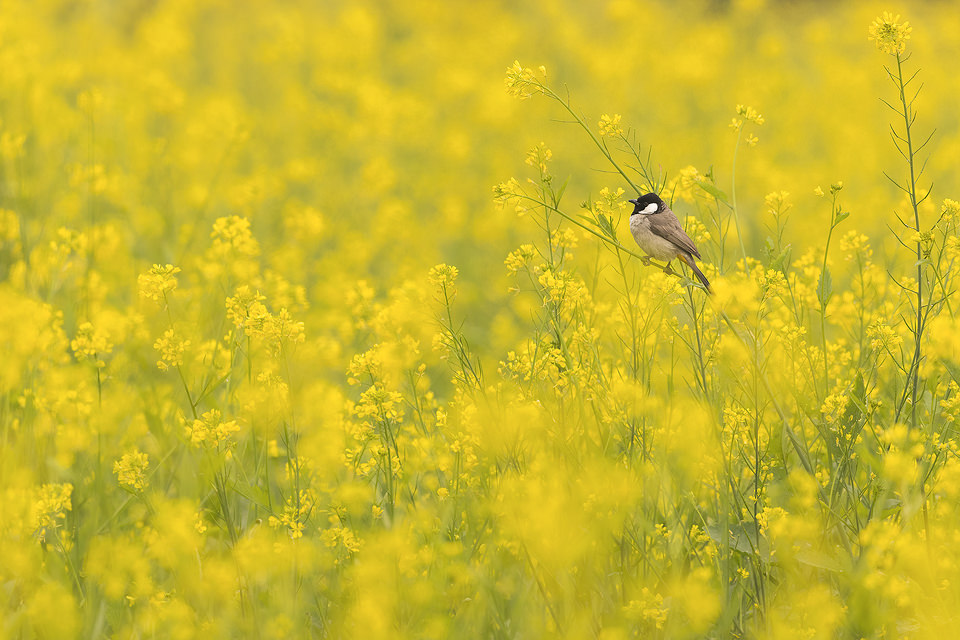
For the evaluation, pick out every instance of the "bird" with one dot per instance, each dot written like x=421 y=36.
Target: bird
x=658 y=232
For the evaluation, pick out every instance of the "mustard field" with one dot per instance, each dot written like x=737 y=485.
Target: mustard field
x=324 y=320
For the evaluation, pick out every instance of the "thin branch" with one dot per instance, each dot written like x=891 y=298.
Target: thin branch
x=895 y=183
x=929 y=137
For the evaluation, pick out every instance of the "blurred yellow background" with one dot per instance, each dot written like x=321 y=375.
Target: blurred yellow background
x=278 y=432
x=390 y=118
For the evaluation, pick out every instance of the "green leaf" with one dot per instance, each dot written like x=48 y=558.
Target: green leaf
x=606 y=225
x=841 y=216
x=743 y=536
x=712 y=190
x=821 y=560
x=825 y=287
x=589 y=219
x=891 y=506
x=853 y=414
x=777 y=261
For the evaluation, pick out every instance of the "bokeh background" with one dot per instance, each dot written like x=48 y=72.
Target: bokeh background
x=327 y=155
x=389 y=119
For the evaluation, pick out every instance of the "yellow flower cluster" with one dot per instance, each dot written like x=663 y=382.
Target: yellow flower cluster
x=91 y=344
x=131 y=470
x=232 y=236
x=521 y=258
x=950 y=210
x=443 y=276
x=158 y=282
x=367 y=365
x=539 y=156
x=609 y=126
x=343 y=540
x=379 y=404
x=48 y=511
x=777 y=202
x=889 y=34
x=686 y=184
x=246 y=310
x=562 y=288
x=296 y=513
x=249 y=315
x=542 y=361
x=509 y=191
x=649 y=608
x=883 y=337
x=749 y=114
x=171 y=348
x=522 y=82
x=210 y=431
x=746 y=114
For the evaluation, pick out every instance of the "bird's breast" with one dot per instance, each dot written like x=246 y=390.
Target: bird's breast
x=653 y=245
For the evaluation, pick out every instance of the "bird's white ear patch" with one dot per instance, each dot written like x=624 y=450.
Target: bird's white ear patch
x=650 y=208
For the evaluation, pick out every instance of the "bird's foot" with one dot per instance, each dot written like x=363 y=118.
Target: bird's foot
x=645 y=260
x=667 y=269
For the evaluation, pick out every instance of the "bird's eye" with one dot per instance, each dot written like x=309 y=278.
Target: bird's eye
x=650 y=208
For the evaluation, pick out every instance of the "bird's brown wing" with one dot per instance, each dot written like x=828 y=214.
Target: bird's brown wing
x=666 y=225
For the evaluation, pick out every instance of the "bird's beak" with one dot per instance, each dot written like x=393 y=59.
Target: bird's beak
x=633 y=201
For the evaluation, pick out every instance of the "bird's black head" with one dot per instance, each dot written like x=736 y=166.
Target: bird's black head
x=649 y=203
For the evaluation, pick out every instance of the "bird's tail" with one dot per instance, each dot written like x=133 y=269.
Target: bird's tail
x=688 y=260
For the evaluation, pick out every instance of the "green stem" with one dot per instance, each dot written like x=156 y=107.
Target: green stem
x=221 y=489
x=632 y=308
x=915 y=368
x=186 y=389
x=733 y=196
x=823 y=299
x=603 y=148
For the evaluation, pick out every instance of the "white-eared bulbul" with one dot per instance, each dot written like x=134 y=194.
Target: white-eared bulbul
x=658 y=232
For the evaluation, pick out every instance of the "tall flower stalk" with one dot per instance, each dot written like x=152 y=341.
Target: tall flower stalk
x=891 y=38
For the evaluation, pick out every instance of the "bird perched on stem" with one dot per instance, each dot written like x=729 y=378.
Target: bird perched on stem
x=658 y=232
